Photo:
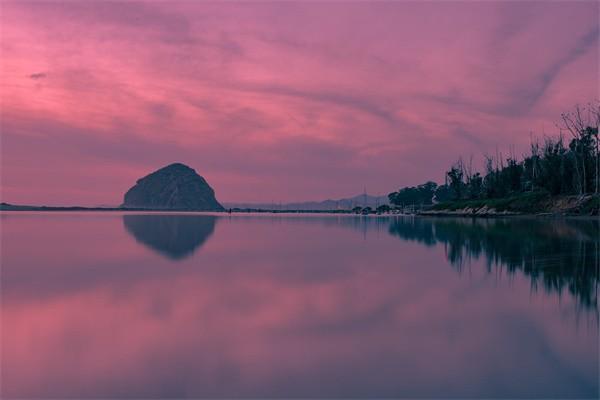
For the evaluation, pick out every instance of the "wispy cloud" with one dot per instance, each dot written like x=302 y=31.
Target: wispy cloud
x=305 y=101
x=38 y=75
x=531 y=94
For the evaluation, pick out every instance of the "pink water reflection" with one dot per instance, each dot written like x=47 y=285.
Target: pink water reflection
x=264 y=306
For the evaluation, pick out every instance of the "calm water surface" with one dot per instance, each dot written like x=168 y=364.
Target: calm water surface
x=154 y=305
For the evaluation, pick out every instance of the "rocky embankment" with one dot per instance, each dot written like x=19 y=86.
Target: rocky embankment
x=529 y=204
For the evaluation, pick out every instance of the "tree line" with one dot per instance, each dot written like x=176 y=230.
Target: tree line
x=565 y=165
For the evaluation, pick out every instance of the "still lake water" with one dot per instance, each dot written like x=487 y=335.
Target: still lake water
x=189 y=305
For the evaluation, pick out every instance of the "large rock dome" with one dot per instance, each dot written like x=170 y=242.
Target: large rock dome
x=174 y=187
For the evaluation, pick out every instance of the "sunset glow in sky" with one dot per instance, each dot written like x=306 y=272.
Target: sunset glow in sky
x=278 y=101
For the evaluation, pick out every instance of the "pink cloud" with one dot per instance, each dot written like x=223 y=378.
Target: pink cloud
x=248 y=94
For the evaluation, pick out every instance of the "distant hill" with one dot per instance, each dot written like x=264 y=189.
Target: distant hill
x=339 y=204
x=157 y=199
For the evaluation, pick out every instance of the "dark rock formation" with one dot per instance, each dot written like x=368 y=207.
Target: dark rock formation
x=174 y=187
x=174 y=236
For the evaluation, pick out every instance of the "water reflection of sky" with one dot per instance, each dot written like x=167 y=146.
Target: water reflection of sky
x=305 y=307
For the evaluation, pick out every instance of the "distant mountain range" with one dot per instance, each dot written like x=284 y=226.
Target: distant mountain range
x=340 y=204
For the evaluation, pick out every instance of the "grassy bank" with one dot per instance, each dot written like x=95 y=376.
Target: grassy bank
x=523 y=203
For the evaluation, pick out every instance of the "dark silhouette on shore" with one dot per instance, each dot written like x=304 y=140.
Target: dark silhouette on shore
x=553 y=169
x=559 y=175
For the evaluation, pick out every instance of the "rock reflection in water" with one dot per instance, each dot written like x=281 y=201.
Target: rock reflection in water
x=174 y=236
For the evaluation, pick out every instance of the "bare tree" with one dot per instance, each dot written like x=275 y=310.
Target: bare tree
x=469 y=170
x=535 y=155
x=594 y=109
x=576 y=123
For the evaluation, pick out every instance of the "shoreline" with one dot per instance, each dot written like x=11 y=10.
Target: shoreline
x=533 y=204
x=529 y=204
x=462 y=213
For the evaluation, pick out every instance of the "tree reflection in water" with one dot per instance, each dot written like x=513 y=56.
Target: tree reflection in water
x=559 y=254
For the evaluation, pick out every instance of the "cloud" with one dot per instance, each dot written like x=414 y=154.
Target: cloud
x=532 y=94
x=358 y=103
x=38 y=75
x=124 y=17
x=305 y=102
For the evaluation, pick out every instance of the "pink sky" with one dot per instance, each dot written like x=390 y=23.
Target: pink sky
x=278 y=101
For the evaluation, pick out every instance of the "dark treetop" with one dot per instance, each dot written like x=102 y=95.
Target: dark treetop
x=174 y=187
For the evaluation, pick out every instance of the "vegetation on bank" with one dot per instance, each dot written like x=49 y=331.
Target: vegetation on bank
x=559 y=170
x=523 y=203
